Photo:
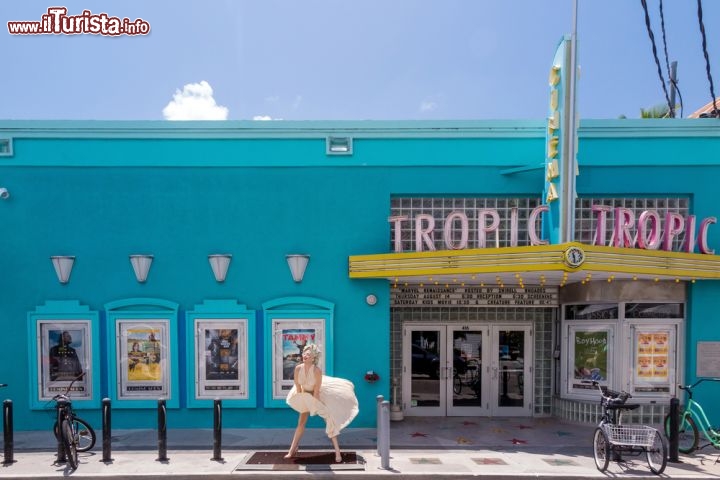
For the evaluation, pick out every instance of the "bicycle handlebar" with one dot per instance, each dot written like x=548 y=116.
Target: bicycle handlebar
x=689 y=387
x=611 y=397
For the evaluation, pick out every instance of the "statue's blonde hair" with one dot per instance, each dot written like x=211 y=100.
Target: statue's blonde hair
x=313 y=351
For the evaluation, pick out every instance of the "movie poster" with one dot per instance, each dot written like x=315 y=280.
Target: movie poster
x=645 y=344
x=591 y=355
x=645 y=367
x=142 y=363
x=290 y=337
x=652 y=356
x=65 y=351
x=221 y=369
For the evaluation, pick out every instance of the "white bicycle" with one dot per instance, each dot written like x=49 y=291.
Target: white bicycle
x=612 y=438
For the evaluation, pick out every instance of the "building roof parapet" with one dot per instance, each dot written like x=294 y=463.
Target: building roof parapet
x=589 y=128
x=271 y=129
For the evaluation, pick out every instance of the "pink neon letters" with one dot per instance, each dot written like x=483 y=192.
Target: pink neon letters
x=646 y=232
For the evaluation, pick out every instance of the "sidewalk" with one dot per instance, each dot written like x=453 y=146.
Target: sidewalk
x=461 y=447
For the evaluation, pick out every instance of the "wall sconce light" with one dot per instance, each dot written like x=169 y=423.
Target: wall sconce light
x=141 y=266
x=297 y=264
x=219 y=264
x=63 y=267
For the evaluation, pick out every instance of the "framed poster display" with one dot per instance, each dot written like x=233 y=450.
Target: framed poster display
x=142 y=358
x=292 y=323
x=653 y=364
x=289 y=339
x=222 y=363
x=63 y=354
x=142 y=352
x=590 y=354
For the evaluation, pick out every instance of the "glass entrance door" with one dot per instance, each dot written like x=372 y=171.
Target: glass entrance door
x=465 y=388
x=424 y=370
x=511 y=370
x=443 y=370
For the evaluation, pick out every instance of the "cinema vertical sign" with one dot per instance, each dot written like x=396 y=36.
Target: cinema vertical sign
x=560 y=156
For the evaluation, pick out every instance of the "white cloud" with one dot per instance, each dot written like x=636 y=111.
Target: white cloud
x=262 y=117
x=427 y=106
x=194 y=102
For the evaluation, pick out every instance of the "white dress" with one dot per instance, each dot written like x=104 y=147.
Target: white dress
x=338 y=404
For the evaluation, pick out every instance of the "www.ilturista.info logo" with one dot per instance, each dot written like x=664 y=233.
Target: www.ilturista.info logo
x=57 y=22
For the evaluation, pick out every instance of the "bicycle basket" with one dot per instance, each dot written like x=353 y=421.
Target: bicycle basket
x=638 y=436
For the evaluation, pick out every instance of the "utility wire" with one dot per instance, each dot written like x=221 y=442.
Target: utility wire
x=677 y=89
x=715 y=113
x=655 y=55
x=672 y=81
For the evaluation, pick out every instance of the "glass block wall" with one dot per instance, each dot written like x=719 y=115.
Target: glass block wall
x=586 y=219
x=440 y=208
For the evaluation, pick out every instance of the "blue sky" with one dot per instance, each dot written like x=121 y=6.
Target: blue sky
x=351 y=59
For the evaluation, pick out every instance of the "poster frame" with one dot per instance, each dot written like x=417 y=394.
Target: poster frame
x=150 y=314
x=221 y=314
x=288 y=314
x=574 y=385
x=51 y=319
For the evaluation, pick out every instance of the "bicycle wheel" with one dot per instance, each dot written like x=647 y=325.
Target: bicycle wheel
x=85 y=434
x=69 y=444
x=457 y=384
x=657 y=454
x=688 y=435
x=601 y=449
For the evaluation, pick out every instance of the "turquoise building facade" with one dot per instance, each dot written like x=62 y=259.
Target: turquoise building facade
x=102 y=192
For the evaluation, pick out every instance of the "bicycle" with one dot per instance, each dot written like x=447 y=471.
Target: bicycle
x=612 y=437
x=74 y=434
x=689 y=418
x=468 y=377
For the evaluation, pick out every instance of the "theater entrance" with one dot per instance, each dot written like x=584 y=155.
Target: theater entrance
x=463 y=370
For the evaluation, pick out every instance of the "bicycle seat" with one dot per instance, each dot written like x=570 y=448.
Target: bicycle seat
x=622 y=406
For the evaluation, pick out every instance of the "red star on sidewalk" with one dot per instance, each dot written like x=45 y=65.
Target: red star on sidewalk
x=466 y=423
x=418 y=434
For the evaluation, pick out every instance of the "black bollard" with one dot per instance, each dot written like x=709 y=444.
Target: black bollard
x=8 y=432
x=162 y=431
x=58 y=434
x=674 y=440
x=106 y=428
x=217 y=431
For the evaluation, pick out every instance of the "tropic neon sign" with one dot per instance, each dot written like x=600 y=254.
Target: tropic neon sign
x=650 y=235
x=651 y=232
